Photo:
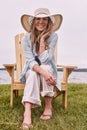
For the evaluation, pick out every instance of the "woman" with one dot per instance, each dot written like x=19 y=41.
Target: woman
x=39 y=73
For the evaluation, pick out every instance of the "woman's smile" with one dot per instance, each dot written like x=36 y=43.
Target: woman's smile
x=41 y=23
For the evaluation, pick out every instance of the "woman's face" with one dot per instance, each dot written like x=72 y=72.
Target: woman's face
x=41 y=23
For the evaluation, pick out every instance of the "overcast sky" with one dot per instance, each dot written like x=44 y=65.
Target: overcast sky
x=72 y=42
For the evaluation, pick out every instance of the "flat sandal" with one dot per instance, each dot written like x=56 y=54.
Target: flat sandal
x=26 y=126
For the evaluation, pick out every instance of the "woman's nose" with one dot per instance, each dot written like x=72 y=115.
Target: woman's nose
x=41 y=20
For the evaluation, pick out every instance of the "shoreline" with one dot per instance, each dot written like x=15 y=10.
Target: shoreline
x=61 y=69
x=75 y=77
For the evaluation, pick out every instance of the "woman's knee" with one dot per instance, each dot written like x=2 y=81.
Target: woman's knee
x=31 y=73
x=47 y=67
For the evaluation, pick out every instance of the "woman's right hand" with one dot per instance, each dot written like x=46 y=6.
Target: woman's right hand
x=44 y=37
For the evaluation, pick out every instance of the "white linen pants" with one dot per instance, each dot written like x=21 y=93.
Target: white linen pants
x=36 y=86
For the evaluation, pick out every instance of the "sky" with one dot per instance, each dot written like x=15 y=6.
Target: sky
x=72 y=35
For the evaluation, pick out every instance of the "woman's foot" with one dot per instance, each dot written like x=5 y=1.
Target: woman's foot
x=45 y=117
x=47 y=114
x=27 y=118
x=26 y=126
x=27 y=122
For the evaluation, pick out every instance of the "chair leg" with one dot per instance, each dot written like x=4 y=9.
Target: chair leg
x=64 y=99
x=11 y=98
x=16 y=93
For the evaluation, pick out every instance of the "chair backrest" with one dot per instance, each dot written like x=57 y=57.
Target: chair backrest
x=20 y=58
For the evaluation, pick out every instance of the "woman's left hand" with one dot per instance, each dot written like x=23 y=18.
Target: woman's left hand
x=50 y=80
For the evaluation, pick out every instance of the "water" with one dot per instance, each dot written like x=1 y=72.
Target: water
x=4 y=77
x=75 y=77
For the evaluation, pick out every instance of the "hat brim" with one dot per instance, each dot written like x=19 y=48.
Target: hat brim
x=26 y=24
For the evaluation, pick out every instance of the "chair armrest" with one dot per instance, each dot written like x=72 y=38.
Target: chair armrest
x=10 y=69
x=66 y=72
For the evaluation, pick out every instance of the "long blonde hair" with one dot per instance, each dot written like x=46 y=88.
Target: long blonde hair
x=35 y=36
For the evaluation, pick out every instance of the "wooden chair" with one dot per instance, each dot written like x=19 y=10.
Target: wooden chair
x=20 y=61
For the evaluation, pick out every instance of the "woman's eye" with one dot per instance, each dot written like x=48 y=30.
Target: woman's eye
x=37 y=18
x=45 y=18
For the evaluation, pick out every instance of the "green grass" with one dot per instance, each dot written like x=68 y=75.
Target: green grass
x=73 y=118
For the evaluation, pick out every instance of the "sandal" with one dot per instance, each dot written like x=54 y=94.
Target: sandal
x=46 y=117
x=26 y=126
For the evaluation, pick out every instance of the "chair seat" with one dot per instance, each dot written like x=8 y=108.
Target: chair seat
x=17 y=85
x=17 y=81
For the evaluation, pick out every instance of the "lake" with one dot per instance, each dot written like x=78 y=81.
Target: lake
x=75 y=77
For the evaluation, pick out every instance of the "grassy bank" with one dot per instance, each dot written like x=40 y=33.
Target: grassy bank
x=73 y=118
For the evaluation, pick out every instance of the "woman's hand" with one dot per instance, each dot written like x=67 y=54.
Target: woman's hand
x=50 y=80
x=43 y=44
x=44 y=37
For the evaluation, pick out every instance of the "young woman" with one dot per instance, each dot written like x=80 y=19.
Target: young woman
x=39 y=73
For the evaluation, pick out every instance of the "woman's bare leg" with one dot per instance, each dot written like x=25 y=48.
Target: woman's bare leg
x=47 y=114
x=27 y=113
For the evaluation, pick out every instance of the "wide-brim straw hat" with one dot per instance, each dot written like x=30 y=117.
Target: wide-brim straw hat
x=26 y=20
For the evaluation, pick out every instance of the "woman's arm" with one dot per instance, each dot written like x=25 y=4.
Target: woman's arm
x=48 y=54
x=50 y=80
x=26 y=42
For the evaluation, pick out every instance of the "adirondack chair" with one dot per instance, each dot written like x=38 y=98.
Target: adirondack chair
x=16 y=85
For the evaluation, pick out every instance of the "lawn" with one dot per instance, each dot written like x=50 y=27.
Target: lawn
x=73 y=118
